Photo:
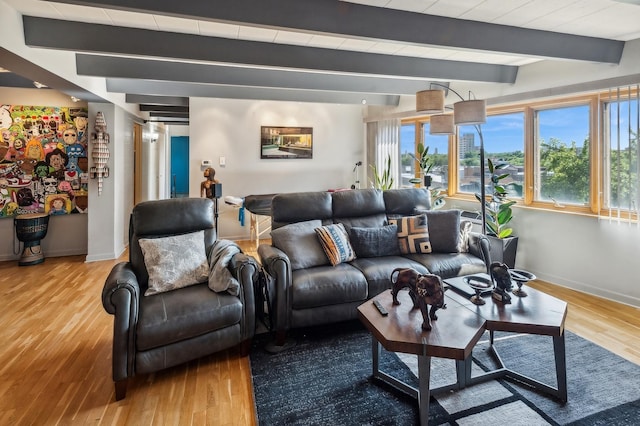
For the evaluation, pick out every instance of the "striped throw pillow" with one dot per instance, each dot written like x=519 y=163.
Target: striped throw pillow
x=335 y=242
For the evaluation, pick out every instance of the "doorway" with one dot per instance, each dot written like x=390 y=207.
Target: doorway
x=179 y=166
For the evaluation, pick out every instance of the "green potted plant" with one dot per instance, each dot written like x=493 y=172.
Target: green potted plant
x=498 y=215
x=382 y=180
x=425 y=164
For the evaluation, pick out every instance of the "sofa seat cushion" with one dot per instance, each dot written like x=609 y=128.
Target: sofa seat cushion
x=377 y=270
x=448 y=265
x=327 y=285
x=178 y=315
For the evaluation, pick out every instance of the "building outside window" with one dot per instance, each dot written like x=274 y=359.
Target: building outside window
x=503 y=143
x=439 y=152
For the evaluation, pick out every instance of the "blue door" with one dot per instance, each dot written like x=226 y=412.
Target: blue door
x=179 y=166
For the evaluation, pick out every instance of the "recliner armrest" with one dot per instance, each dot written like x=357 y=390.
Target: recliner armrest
x=278 y=265
x=245 y=268
x=121 y=298
x=122 y=278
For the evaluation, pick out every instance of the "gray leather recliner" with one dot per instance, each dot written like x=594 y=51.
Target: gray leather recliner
x=154 y=332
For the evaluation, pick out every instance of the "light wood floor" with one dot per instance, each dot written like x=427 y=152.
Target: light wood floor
x=55 y=354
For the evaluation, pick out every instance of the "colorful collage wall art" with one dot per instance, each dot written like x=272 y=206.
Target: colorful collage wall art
x=43 y=160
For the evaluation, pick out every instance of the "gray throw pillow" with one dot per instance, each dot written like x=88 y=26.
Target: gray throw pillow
x=444 y=230
x=174 y=262
x=375 y=242
x=300 y=243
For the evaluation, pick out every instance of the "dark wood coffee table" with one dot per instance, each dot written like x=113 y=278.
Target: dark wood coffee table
x=538 y=313
x=453 y=336
x=456 y=332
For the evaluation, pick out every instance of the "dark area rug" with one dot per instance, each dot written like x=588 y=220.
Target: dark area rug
x=325 y=379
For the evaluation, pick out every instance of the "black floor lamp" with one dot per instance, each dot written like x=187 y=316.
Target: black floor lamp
x=465 y=112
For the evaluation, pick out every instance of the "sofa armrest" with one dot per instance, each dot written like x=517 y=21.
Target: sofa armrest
x=245 y=268
x=479 y=246
x=277 y=264
x=121 y=298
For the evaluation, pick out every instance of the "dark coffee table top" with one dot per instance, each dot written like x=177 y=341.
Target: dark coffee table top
x=460 y=326
x=538 y=313
x=454 y=333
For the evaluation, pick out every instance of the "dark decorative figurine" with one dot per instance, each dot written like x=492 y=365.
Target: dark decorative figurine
x=424 y=290
x=502 y=280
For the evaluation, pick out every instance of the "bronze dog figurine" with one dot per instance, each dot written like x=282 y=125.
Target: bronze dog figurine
x=424 y=290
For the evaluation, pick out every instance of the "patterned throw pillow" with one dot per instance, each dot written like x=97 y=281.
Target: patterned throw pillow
x=413 y=234
x=175 y=262
x=335 y=242
x=465 y=229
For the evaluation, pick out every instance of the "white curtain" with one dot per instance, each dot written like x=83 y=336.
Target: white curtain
x=383 y=141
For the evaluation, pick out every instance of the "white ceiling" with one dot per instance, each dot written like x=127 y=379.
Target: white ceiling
x=608 y=19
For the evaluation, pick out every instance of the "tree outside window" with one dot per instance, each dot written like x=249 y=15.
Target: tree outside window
x=564 y=159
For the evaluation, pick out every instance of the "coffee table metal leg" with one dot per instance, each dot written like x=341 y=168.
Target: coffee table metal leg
x=561 y=366
x=375 y=355
x=424 y=375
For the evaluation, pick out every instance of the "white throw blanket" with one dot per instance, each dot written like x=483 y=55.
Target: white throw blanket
x=220 y=278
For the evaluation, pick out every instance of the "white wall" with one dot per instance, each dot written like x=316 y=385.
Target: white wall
x=109 y=212
x=231 y=129
x=576 y=251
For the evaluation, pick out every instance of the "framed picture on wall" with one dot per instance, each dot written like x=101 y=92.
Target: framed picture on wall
x=286 y=142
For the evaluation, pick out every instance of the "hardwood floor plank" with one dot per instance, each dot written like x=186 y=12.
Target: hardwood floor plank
x=55 y=356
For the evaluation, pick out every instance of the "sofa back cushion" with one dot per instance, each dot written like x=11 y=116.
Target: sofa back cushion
x=299 y=207
x=405 y=201
x=361 y=207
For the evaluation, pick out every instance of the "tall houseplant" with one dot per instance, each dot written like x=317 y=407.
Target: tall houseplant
x=498 y=215
x=382 y=179
x=425 y=164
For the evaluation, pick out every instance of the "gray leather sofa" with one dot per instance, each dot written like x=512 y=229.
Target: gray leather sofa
x=307 y=292
x=153 y=332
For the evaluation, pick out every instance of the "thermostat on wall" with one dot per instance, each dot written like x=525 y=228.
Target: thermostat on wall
x=206 y=163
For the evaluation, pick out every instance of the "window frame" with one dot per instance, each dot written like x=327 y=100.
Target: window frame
x=595 y=101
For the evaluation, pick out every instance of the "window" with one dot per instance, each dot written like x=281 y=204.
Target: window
x=563 y=159
x=621 y=157
x=578 y=154
x=407 y=148
x=439 y=152
x=503 y=136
